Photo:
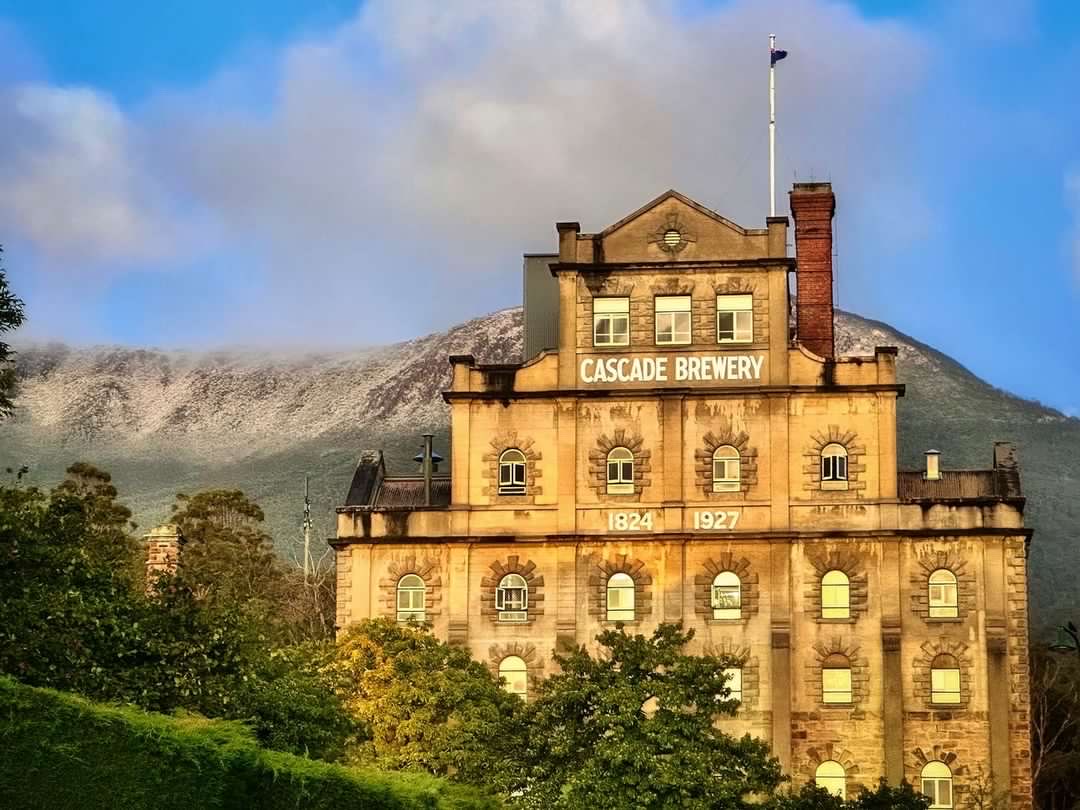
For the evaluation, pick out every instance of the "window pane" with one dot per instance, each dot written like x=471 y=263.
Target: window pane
x=734 y=682
x=725 y=326
x=735 y=302
x=611 y=305
x=673 y=303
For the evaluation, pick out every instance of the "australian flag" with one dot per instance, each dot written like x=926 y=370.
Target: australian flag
x=776 y=55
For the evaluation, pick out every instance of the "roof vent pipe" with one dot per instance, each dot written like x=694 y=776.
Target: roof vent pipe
x=427 y=469
x=933 y=469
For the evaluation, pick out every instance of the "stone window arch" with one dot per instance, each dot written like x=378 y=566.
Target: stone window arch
x=427 y=570
x=515 y=675
x=507 y=448
x=943 y=595
x=599 y=580
x=831 y=776
x=620 y=471
x=834 y=443
x=738 y=656
x=818 y=755
x=931 y=562
x=917 y=761
x=598 y=465
x=704 y=582
x=411 y=593
x=847 y=562
x=500 y=654
x=942 y=675
x=834 y=657
x=705 y=459
x=497 y=577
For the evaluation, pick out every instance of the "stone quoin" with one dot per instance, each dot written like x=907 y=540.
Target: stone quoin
x=680 y=443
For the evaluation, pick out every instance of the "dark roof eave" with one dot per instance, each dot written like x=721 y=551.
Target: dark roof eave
x=697 y=265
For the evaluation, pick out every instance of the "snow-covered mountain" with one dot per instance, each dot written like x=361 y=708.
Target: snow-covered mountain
x=165 y=422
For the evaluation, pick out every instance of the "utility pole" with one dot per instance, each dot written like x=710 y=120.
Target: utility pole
x=307 y=530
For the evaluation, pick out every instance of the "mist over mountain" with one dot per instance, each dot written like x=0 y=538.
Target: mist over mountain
x=164 y=422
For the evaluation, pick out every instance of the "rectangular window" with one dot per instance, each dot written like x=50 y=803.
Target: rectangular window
x=611 y=321
x=939 y=791
x=734 y=319
x=672 y=320
x=836 y=686
x=945 y=686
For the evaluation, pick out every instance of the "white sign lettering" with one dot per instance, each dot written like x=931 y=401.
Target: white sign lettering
x=630 y=522
x=685 y=368
x=715 y=520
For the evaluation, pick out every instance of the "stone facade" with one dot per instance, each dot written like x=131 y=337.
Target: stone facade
x=779 y=400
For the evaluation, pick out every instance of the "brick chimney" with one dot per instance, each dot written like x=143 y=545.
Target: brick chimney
x=813 y=206
x=163 y=545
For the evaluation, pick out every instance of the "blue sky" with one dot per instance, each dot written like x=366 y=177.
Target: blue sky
x=321 y=173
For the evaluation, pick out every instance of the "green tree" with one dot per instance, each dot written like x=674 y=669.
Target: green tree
x=227 y=557
x=634 y=727
x=12 y=315
x=889 y=797
x=422 y=704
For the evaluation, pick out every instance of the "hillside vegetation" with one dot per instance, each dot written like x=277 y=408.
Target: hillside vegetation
x=165 y=422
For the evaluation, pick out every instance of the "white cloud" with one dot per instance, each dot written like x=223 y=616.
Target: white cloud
x=69 y=182
x=414 y=152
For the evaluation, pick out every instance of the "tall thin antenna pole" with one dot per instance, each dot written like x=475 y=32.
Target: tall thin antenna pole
x=307 y=530
x=772 y=127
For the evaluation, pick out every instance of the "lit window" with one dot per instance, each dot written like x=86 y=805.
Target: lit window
x=620 y=598
x=937 y=785
x=835 y=595
x=512 y=473
x=512 y=599
x=733 y=682
x=943 y=603
x=410 y=598
x=734 y=318
x=834 y=467
x=515 y=675
x=836 y=679
x=620 y=472
x=672 y=320
x=830 y=776
x=725 y=469
x=611 y=321
x=945 y=680
x=727 y=596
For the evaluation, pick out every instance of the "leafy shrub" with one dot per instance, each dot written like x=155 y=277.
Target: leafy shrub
x=59 y=751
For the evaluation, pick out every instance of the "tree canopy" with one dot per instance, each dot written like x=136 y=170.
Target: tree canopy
x=12 y=316
x=634 y=727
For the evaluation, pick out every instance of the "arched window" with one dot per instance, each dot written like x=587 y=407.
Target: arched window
x=937 y=785
x=726 y=472
x=727 y=596
x=945 y=680
x=512 y=472
x=733 y=681
x=620 y=598
x=410 y=598
x=512 y=599
x=835 y=595
x=515 y=675
x=836 y=679
x=834 y=467
x=943 y=602
x=620 y=472
x=831 y=776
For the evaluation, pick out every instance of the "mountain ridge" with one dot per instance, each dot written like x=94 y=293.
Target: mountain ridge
x=169 y=421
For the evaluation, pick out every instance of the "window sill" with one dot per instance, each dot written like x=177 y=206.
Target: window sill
x=835 y=486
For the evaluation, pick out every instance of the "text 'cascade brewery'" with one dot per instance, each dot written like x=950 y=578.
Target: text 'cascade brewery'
x=681 y=443
x=679 y=368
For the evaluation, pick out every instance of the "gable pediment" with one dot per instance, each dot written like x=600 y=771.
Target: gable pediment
x=674 y=227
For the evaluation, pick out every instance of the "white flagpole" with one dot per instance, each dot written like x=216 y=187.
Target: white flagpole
x=772 y=127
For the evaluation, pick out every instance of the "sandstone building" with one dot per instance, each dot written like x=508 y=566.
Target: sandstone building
x=681 y=443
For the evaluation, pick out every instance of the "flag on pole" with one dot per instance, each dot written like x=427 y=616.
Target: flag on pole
x=776 y=55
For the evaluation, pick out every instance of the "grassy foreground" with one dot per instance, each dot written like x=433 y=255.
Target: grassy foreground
x=60 y=751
